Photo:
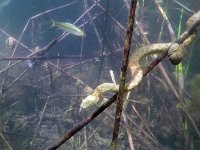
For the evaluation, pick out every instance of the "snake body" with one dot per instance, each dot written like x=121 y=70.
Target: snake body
x=176 y=53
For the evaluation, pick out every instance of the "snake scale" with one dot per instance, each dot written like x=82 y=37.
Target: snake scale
x=176 y=53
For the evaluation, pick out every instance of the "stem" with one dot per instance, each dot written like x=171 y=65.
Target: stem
x=120 y=95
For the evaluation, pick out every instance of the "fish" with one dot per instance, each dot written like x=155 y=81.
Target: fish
x=68 y=27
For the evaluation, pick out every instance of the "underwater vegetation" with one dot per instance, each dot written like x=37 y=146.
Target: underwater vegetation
x=51 y=73
x=195 y=102
x=194 y=107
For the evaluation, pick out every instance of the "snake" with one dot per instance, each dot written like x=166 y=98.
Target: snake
x=176 y=53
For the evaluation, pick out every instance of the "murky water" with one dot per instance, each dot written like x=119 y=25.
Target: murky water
x=45 y=73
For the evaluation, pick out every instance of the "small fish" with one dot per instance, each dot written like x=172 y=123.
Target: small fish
x=68 y=27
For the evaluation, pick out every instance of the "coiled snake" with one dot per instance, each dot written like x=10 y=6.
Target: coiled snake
x=176 y=53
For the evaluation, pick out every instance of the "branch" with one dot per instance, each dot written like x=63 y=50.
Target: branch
x=120 y=95
x=83 y=123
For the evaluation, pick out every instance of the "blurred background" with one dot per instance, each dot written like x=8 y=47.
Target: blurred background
x=40 y=100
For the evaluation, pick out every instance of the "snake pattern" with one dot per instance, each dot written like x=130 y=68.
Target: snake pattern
x=175 y=54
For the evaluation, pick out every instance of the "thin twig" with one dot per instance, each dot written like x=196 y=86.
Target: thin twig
x=78 y=127
x=6 y=142
x=130 y=138
x=164 y=15
x=39 y=123
x=8 y=35
x=120 y=96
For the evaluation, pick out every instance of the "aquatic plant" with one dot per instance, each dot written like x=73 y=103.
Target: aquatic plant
x=40 y=102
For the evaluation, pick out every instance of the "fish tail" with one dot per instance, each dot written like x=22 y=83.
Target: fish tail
x=53 y=23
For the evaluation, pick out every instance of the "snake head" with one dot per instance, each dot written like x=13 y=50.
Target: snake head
x=89 y=101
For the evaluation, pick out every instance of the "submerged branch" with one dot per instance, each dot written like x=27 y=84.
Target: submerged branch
x=83 y=123
x=120 y=95
x=78 y=127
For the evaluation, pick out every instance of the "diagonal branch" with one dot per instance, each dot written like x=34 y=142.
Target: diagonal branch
x=83 y=123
